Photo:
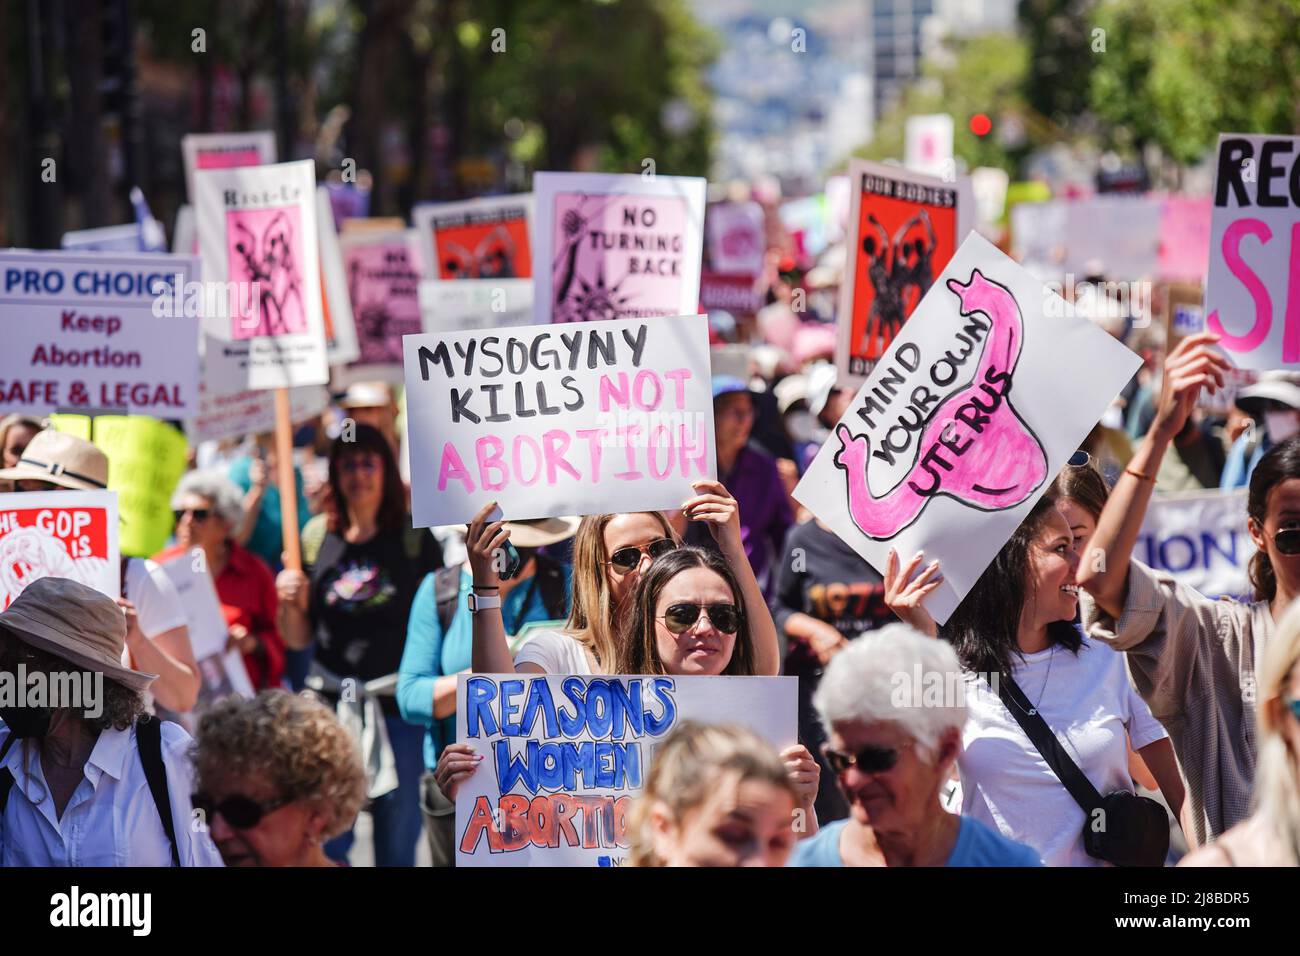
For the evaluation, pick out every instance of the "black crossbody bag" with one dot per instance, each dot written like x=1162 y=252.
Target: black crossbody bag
x=1122 y=828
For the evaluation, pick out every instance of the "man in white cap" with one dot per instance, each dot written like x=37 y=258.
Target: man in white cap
x=87 y=778
x=158 y=638
x=1273 y=404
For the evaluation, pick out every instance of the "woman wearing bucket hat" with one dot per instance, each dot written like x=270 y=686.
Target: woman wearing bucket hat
x=1273 y=405
x=158 y=639
x=439 y=638
x=81 y=763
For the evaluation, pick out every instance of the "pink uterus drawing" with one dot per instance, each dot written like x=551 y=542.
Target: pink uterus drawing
x=974 y=448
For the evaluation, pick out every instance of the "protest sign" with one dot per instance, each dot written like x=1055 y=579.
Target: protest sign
x=904 y=228
x=1252 y=292
x=617 y=246
x=475 y=304
x=1184 y=238
x=737 y=294
x=1116 y=236
x=98 y=331
x=938 y=451
x=609 y=416
x=221 y=672
x=927 y=145
x=146 y=458
x=383 y=282
x=185 y=237
x=248 y=413
x=1038 y=236
x=60 y=534
x=565 y=757
x=340 y=330
x=1201 y=539
x=477 y=239
x=258 y=237
x=224 y=151
x=737 y=240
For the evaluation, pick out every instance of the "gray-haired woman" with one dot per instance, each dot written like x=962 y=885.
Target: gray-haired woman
x=208 y=510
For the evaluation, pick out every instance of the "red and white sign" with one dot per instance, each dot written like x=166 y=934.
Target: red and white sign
x=59 y=534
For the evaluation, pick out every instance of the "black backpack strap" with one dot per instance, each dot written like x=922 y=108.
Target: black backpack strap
x=1032 y=723
x=555 y=596
x=6 y=778
x=148 y=736
x=446 y=591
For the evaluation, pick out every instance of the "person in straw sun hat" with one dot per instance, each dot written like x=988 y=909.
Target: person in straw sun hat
x=158 y=638
x=79 y=756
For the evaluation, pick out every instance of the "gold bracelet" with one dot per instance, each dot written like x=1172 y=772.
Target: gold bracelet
x=1139 y=475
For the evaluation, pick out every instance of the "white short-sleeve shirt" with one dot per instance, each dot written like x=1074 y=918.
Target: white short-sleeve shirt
x=1089 y=703
x=556 y=653
x=155 y=597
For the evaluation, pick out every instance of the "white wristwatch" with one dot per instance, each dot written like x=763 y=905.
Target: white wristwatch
x=482 y=602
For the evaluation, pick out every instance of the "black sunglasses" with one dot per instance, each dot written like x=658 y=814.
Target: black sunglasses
x=1081 y=459
x=625 y=559
x=1288 y=540
x=680 y=618
x=867 y=760
x=240 y=812
x=198 y=514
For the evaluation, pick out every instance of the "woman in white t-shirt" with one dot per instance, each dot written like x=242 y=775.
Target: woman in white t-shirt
x=1018 y=621
x=158 y=636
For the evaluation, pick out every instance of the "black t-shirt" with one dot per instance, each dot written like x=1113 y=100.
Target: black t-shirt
x=361 y=596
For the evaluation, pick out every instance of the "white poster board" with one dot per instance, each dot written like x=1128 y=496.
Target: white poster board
x=1201 y=539
x=603 y=417
x=340 y=331
x=224 y=151
x=565 y=757
x=259 y=241
x=249 y=413
x=615 y=246
x=475 y=304
x=98 y=331
x=1252 y=293
x=59 y=534
x=927 y=145
x=962 y=425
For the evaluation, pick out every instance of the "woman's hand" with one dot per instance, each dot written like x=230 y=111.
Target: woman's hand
x=241 y=639
x=906 y=596
x=1191 y=367
x=826 y=641
x=713 y=504
x=483 y=541
x=292 y=587
x=456 y=764
x=805 y=775
x=133 y=633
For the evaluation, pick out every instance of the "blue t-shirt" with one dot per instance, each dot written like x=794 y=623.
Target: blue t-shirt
x=976 y=845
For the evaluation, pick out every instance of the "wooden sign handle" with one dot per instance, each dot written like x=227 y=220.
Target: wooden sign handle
x=288 y=489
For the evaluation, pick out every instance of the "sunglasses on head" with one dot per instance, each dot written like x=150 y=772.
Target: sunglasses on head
x=680 y=618
x=625 y=559
x=240 y=812
x=867 y=760
x=198 y=514
x=1081 y=459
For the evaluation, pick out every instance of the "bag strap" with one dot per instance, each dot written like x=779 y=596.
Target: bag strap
x=1041 y=736
x=446 y=591
x=6 y=778
x=148 y=736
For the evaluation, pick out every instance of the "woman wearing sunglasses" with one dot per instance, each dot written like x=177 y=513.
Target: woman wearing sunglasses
x=892 y=755
x=276 y=777
x=1193 y=658
x=207 y=508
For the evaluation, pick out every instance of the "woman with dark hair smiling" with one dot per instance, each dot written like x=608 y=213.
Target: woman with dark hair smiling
x=363 y=566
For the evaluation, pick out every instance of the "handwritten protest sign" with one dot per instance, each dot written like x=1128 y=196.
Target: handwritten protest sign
x=1201 y=539
x=61 y=534
x=224 y=151
x=1184 y=238
x=340 y=330
x=146 y=458
x=383 y=281
x=609 y=416
x=475 y=304
x=565 y=757
x=927 y=144
x=258 y=236
x=477 y=239
x=98 y=331
x=1252 y=292
x=737 y=240
x=965 y=420
x=617 y=246
x=247 y=413
x=904 y=228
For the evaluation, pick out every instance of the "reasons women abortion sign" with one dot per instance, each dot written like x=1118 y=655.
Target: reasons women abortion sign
x=548 y=421
x=976 y=406
x=565 y=757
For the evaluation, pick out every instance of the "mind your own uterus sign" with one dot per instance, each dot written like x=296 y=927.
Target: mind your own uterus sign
x=965 y=421
x=556 y=420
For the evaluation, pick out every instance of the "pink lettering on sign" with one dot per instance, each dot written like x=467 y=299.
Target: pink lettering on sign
x=974 y=448
x=1231 y=248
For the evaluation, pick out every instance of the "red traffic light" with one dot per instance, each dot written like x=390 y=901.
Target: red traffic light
x=980 y=124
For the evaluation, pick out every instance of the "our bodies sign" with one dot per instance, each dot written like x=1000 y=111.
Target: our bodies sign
x=608 y=416
x=564 y=757
x=1252 y=292
x=97 y=331
x=476 y=239
x=964 y=421
x=615 y=246
x=903 y=229
x=62 y=534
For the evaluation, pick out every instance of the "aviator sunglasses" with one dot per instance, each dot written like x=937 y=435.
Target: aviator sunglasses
x=680 y=618
x=625 y=559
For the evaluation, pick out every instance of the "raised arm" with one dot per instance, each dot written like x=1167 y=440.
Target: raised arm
x=484 y=541
x=713 y=504
x=1103 y=572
